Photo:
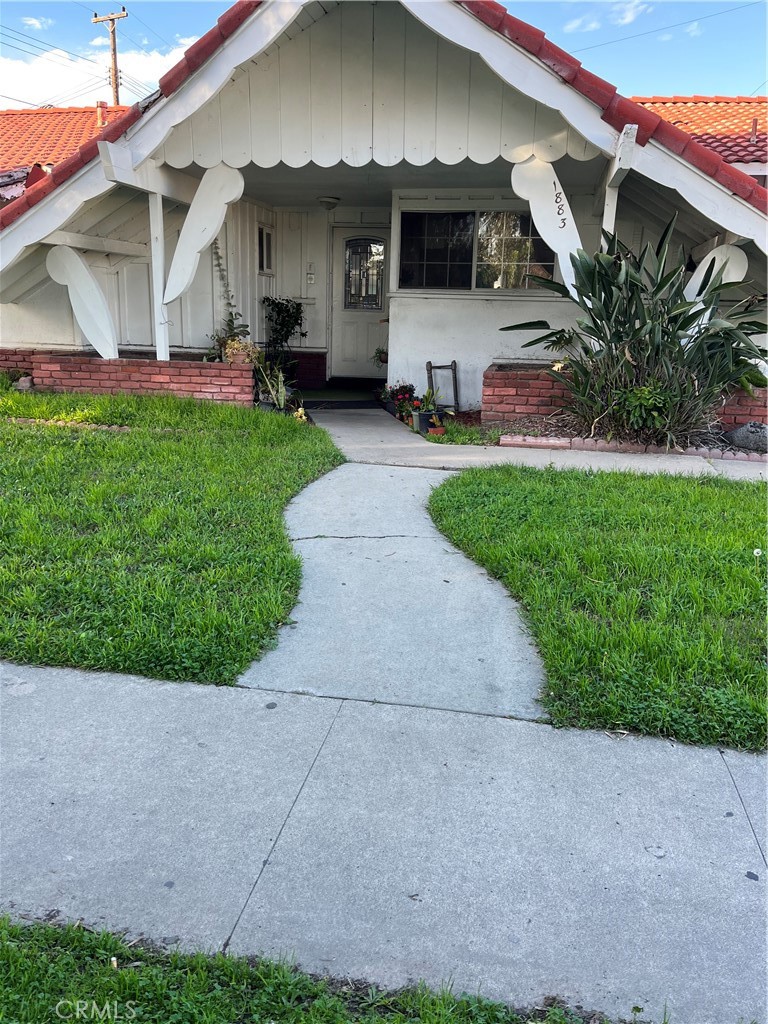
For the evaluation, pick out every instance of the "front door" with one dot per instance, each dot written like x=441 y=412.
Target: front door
x=359 y=301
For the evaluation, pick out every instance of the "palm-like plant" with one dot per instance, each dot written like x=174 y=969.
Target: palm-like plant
x=643 y=361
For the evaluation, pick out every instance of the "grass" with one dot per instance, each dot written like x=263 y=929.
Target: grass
x=643 y=593
x=160 y=550
x=465 y=433
x=43 y=967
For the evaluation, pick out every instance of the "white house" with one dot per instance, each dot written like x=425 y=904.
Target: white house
x=397 y=166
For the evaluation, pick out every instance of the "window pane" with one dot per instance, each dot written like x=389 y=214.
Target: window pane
x=363 y=273
x=268 y=257
x=431 y=244
x=261 y=248
x=508 y=249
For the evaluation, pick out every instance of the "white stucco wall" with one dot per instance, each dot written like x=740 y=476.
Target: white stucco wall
x=442 y=327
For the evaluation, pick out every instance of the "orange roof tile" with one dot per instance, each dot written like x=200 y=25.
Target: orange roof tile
x=47 y=136
x=725 y=124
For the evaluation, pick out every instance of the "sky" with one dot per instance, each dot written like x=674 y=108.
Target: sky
x=50 y=53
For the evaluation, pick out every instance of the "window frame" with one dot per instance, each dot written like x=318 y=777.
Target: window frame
x=476 y=201
x=262 y=230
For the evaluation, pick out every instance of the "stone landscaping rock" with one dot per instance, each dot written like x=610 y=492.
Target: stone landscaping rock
x=752 y=437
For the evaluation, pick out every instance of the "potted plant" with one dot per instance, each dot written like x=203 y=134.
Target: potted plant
x=238 y=350
x=436 y=424
x=380 y=357
x=428 y=412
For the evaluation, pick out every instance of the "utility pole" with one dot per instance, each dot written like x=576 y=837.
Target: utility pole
x=112 y=18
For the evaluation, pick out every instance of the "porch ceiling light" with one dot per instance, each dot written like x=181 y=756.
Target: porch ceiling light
x=328 y=202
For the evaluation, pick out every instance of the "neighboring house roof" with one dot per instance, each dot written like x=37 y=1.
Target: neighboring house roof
x=617 y=110
x=735 y=127
x=49 y=135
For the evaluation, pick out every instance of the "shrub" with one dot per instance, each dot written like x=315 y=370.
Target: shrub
x=645 y=363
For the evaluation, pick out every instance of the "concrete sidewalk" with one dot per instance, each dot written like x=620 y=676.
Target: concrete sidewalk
x=373 y=436
x=403 y=820
x=390 y=843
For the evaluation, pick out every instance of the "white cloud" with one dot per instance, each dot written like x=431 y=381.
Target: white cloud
x=583 y=24
x=665 y=37
x=627 y=12
x=38 y=24
x=80 y=82
x=186 y=41
x=99 y=41
x=694 y=29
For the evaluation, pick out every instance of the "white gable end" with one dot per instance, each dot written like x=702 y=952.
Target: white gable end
x=369 y=83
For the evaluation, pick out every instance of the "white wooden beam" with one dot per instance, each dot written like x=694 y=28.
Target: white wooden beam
x=607 y=196
x=157 y=243
x=148 y=176
x=96 y=243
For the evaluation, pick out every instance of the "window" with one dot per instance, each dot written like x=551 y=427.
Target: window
x=436 y=250
x=508 y=248
x=265 y=250
x=363 y=273
x=476 y=250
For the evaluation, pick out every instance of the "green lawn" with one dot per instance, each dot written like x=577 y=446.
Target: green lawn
x=160 y=550
x=44 y=967
x=643 y=593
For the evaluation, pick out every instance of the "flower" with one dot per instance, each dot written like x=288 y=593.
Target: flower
x=757 y=552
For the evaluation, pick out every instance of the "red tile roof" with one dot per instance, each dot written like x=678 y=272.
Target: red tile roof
x=617 y=110
x=48 y=136
x=735 y=127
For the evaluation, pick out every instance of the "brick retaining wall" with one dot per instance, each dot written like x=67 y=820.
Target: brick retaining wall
x=220 y=382
x=526 y=389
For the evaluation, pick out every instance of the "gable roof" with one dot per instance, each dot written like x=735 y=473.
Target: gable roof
x=617 y=110
x=736 y=127
x=49 y=135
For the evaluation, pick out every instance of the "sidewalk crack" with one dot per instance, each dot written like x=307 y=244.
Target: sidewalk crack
x=276 y=840
x=744 y=807
x=364 y=536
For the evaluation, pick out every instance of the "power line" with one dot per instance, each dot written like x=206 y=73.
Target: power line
x=31 y=41
x=664 y=28
x=153 y=31
x=45 y=55
x=759 y=87
x=15 y=99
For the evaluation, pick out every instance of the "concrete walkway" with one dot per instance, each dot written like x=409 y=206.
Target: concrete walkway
x=405 y=816
x=390 y=611
x=372 y=436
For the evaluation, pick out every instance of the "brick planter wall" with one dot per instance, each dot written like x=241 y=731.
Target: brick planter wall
x=220 y=382
x=519 y=389
x=743 y=408
x=526 y=389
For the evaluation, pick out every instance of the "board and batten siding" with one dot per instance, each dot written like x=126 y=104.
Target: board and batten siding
x=369 y=83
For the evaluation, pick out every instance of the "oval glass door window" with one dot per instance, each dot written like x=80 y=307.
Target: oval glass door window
x=363 y=273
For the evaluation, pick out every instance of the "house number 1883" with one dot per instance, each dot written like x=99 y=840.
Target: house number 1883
x=560 y=204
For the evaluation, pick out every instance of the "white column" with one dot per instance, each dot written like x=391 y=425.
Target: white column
x=157 y=250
